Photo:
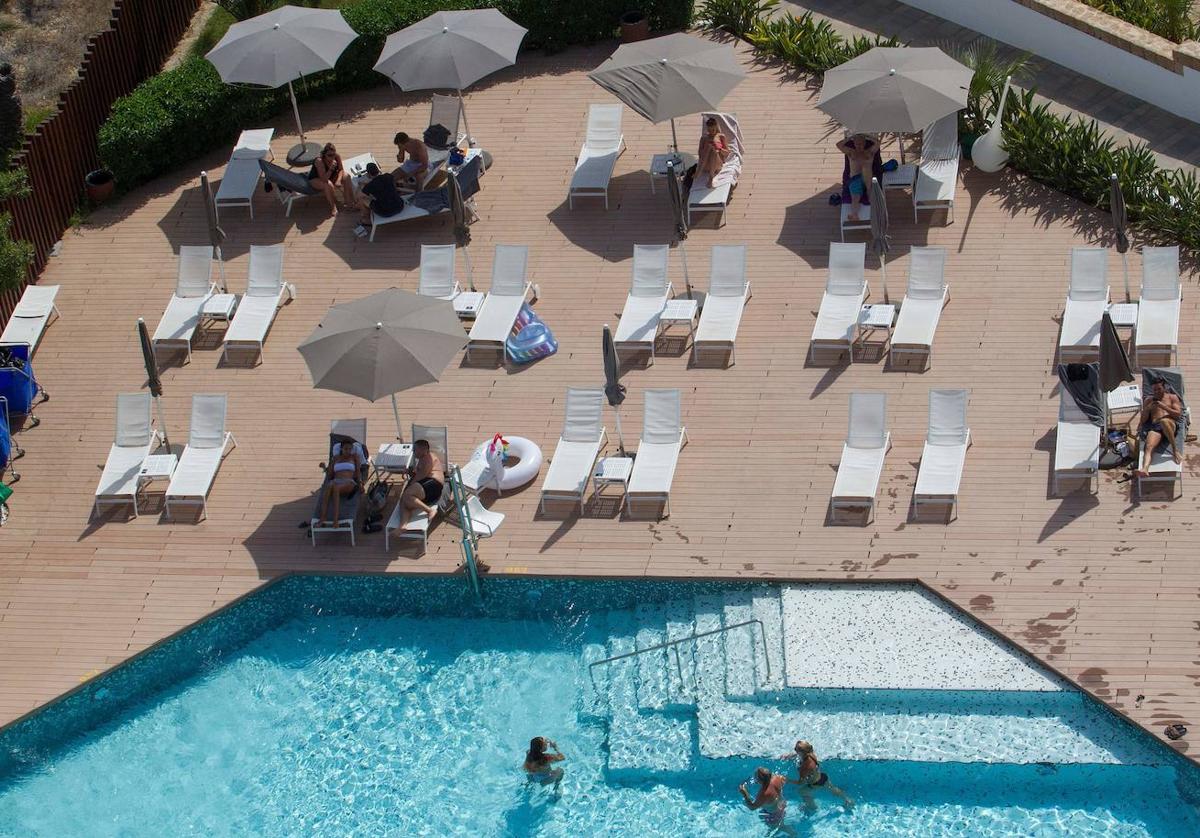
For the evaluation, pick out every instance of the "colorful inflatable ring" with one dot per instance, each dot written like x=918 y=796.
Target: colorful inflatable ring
x=528 y=459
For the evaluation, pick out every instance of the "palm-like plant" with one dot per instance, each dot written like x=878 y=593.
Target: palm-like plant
x=987 y=83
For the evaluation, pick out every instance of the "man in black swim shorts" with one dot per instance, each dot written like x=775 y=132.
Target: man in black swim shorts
x=424 y=490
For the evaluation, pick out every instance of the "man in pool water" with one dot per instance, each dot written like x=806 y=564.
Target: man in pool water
x=539 y=763
x=810 y=776
x=769 y=800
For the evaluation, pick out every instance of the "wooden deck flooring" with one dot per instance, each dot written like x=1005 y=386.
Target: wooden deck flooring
x=1102 y=588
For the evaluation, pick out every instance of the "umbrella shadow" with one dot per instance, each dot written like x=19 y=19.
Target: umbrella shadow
x=1072 y=503
x=631 y=218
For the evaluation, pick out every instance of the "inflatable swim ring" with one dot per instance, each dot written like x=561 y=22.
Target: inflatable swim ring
x=524 y=456
x=530 y=339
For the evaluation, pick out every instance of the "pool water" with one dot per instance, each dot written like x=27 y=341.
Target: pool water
x=414 y=722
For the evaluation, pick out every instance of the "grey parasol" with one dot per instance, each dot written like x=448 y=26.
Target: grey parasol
x=153 y=379
x=461 y=216
x=279 y=47
x=1120 y=222
x=614 y=391
x=881 y=243
x=452 y=49
x=215 y=234
x=679 y=216
x=895 y=89
x=1114 y=363
x=675 y=75
x=381 y=344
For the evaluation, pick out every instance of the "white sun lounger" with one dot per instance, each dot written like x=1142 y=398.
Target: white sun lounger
x=468 y=174
x=648 y=295
x=1077 y=448
x=728 y=292
x=924 y=299
x=1087 y=299
x=945 y=452
x=31 y=316
x=837 y=325
x=437 y=272
x=193 y=287
x=352 y=432
x=266 y=292
x=713 y=195
x=583 y=436
x=937 y=175
x=1159 y=304
x=207 y=442
x=240 y=179
x=602 y=145
x=663 y=436
x=494 y=322
x=867 y=443
x=418 y=525
x=135 y=439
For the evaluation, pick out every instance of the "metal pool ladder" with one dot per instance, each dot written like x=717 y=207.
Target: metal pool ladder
x=470 y=541
x=674 y=646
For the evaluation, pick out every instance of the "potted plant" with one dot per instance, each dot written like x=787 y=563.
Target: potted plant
x=634 y=27
x=99 y=185
x=991 y=70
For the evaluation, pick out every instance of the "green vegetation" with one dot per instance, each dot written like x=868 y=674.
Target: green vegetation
x=229 y=12
x=183 y=113
x=808 y=43
x=35 y=117
x=1170 y=19
x=15 y=256
x=987 y=84
x=14 y=182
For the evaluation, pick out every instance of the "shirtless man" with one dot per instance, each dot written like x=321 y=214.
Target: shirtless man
x=769 y=799
x=413 y=158
x=809 y=776
x=1159 y=418
x=424 y=490
x=860 y=151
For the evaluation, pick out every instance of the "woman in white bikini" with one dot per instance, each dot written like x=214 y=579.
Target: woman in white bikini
x=342 y=479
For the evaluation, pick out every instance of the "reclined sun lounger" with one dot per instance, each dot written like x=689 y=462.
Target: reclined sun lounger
x=1087 y=299
x=713 y=195
x=135 y=439
x=193 y=287
x=207 y=442
x=602 y=145
x=1163 y=468
x=266 y=292
x=287 y=186
x=445 y=111
x=437 y=201
x=1077 y=445
x=867 y=443
x=579 y=445
x=1159 y=304
x=837 y=326
x=352 y=432
x=31 y=316
x=494 y=322
x=240 y=180
x=437 y=272
x=663 y=436
x=924 y=299
x=945 y=452
x=937 y=174
x=648 y=294
x=418 y=525
x=728 y=292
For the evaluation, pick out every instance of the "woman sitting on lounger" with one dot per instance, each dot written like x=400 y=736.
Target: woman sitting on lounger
x=327 y=172
x=714 y=149
x=343 y=478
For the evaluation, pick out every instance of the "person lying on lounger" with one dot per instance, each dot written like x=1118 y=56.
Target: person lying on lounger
x=714 y=149
x=860 y=150
x=343 y=477
x=1161 y=412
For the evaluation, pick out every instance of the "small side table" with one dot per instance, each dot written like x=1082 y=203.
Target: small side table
x=157 y=467
x=658 y=166
x=468 y=303
x=1125 y=399
x=1124 y=315
x=875 y=318
x=219 y=307
x=681 y=310
x=394 y=457
x=613 y=470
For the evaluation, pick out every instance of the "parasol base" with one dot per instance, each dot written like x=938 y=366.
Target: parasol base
x=303 y=154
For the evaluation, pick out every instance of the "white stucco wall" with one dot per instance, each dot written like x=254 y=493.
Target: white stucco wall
x=1022 y=27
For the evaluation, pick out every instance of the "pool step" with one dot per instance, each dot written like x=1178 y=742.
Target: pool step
x=766 y=606
x=652 y=685
x=739 y=643
x=681 y=622
x=710 y=650
x=595 y=682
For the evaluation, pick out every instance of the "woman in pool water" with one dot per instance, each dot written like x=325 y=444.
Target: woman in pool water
x=810 y=776
x=539 y=764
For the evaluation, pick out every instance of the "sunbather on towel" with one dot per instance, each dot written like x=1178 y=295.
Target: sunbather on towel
x=343 y=477
x=378 y=195
x=860 y=150
x=327 y=173
x=1161 y=412
x=413 y=158
x=424 y=489
x=714 y=149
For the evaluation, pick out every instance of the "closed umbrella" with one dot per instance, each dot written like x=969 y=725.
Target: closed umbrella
x=675 y=75
x=215 y=234
x=279 y=47
x=613 y=389
x=895 y=89
x=462 y=229
x=1120 y=222
x=452 y=49
x=153 y=380
x=880 y=242
x=679 y=216
x=381 y=344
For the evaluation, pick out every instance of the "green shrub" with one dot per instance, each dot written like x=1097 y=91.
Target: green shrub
x=808 y=43
x=182 y=113
x=15 y=256
x=987 y=82
x=1170 y=19
x=734 y=16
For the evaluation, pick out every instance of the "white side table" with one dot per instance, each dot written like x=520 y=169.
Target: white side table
x=877 y=317
x=658 y=166
x=681 y=310
x=613 y=470
x=468 y=303
x=1125 y=399
x=157 y=467
x=394 y=457
x=219 y=307
x=1124 y=315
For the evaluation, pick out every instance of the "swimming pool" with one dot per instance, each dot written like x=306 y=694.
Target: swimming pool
x=391 y=706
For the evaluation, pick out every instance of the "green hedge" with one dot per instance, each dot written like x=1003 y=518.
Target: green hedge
x=185 y=112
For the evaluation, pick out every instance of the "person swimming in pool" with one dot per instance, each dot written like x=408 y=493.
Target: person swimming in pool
x=539 y=763
x=810 y=776
x=860 y=150
x=769 y=802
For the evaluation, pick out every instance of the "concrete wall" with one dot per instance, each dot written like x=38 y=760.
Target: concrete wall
x=1174 y=88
